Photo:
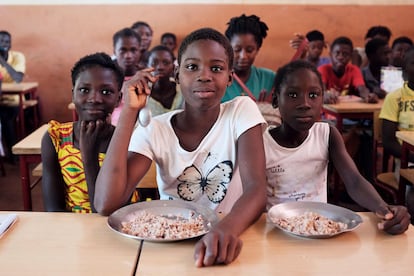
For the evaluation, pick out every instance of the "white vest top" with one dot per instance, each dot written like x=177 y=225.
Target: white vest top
x=298 y=174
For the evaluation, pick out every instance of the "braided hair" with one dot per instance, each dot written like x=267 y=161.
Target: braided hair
x=247 y=25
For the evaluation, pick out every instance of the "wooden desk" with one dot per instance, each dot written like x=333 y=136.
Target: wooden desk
x=21 y=89
x=83 y=244
x=29 y=151
x=65 y=244
x=354 y=110
x=269 y=251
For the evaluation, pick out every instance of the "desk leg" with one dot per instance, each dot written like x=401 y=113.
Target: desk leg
x=25 y=181
x=21 y=117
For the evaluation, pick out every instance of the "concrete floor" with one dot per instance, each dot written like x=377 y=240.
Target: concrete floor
x=11 y=198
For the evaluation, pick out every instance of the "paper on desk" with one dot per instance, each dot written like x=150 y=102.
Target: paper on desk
x=391 y=78
x=6 y=220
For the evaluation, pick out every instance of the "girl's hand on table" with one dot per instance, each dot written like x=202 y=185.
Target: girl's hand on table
x=217 y=247
x=372 y=98
x=331 y=97
x=395 y=219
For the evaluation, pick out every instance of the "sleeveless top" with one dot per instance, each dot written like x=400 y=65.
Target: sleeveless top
x=70 y=161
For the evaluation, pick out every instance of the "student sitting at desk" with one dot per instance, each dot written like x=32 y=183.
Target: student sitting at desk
x=246 y=34
x=208 y=153
x=399 y=47
x=378 y=53
x=298 y=151
x=165 y=92
x=341 y=78
x=12 y=67
x=127 y=44
x=397 y=113
x=73 y=152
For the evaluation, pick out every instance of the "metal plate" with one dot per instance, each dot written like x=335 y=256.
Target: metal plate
x=333 y=212
x=161 y=208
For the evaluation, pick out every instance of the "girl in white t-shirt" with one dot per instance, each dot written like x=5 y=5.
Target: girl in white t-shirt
x=298 y=151
x=210 y=153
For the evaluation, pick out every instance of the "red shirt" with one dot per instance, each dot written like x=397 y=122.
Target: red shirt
x=347 y=84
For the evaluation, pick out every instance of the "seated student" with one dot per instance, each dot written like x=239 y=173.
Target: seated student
x=169 y=40
x=378 y=53
x=209 y=153
x=298 y=151
x=127 y=44
x=246 y=34
x=165 y=93
x=144 y=30
x=397 y=114
x=316 y=44
x=12 y=68
x=341 y=77
x=399 y=46
x=73 y=152
x=359 y=57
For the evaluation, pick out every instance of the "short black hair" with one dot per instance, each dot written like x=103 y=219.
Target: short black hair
x=315 y=35
x=207 y=34
x=247 y=25
x=138 y=24
x=97 y=59
x=373 y=45
x=378 y=30
x=169 y=35
x=284 y=71
x=408 y=53
x=400 y=40
x=161 y=48
x=342 y=40
x=125 y=32
x=3 y=32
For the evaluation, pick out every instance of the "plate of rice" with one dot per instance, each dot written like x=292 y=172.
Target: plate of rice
x=313 y=219
x=162 y=220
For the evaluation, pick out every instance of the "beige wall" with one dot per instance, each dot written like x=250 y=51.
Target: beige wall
x=53 y=38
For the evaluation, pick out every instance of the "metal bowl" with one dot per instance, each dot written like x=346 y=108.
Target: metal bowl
x=162 y=208
x=333 y=212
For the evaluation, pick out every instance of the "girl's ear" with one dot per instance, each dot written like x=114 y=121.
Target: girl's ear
x=118 y=101
x=230 y=79
x=275 y=101
x=176 y=75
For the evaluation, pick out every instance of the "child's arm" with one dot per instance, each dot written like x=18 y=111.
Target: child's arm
x=92 y=135
x=121 y=171
x=365 y=94
x=396 y=218
x=222 y=244
x=53 y=187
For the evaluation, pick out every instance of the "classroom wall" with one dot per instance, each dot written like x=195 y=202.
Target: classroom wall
x=53 y=37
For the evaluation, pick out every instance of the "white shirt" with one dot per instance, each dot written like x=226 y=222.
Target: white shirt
x=209 y=175
x=298 y=173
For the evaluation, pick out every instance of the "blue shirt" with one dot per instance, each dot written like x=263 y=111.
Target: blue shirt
x=259 y=79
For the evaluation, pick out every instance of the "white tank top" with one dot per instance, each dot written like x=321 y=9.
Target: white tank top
x=298 y=174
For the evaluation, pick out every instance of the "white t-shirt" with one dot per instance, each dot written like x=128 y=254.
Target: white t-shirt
x=209 y=175
x=298 y=174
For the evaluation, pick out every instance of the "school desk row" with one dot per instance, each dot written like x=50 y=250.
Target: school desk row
x=41 y=243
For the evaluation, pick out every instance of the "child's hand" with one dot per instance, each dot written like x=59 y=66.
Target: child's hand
x=372 y=98
x=217 y=247
x=137 y=88
x=330 y=97
x=395 y=219
x=90 y=133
